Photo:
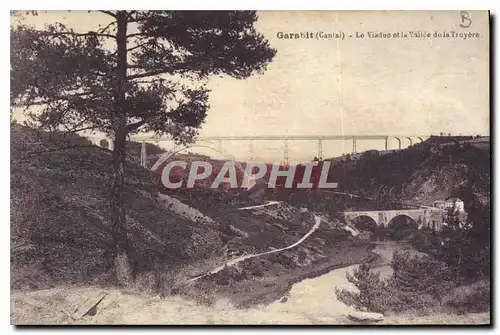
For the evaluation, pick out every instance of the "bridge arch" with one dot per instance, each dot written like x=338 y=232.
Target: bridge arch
x=398 y=217
x=400 y=225
x=171 y=153
x=351 y=217
x=399 y=142
x=365 y=222
x=166 y=156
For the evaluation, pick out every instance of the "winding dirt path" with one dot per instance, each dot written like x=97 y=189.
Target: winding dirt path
x=269 y=203
x=245 y=257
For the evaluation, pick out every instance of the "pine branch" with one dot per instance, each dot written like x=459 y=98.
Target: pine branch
x=75 y=130
x=136 y=34
x=138 y=46
x=134 y=126
x=107 y=12
x=90 y=33
x=53 y=99
x=146 y=74
x=100 y=31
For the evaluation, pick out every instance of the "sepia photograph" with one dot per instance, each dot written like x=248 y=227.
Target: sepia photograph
x=254 y=167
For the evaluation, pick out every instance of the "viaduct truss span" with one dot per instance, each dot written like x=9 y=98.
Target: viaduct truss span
x=218 y=140
x=286 y=138
x=431 y=218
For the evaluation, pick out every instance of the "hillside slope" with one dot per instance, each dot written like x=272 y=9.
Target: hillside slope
x=418 y=175
x=422 y=173
x=60 y=223
x=60 y=226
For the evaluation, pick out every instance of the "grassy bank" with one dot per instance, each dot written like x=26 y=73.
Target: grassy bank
x=267 y=279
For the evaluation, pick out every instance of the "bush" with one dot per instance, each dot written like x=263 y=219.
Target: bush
x=372 y=296
x=420 y=275
x=424 y=240
x=168 y=282
x=417 y=284
x=203 y=292
x=470 y=298
x=162 y=280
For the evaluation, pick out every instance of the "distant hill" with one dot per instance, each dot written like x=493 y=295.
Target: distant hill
x=433 y=170
x=422 y=173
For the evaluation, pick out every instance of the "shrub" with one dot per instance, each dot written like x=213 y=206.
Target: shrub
x=470 y=298
x=424 y=240
x=417 y=283
x=167 y=282
x=421 y=276
x=372 y=296
x=162 y=280
x=203 y=292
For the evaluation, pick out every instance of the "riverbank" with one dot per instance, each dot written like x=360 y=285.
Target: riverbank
x=261 y=282
x=309 y=246
x=266 y=281
x=306 y=301
x=56 y=307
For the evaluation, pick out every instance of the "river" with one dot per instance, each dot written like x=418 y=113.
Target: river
x=311 y=301
x=314 y=299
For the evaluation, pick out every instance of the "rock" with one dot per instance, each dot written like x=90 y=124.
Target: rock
x=359 y=316
x=351 y=230
x=89 y=305
x=92 y=311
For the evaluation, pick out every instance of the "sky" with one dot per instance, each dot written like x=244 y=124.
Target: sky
x=355 y=86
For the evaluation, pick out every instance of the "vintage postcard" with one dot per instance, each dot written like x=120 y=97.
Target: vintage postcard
x=250 y=167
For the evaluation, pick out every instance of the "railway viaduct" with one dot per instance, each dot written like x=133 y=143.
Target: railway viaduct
x=217 y=141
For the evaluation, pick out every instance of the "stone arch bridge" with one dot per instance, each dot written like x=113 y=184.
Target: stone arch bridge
x=431 y=218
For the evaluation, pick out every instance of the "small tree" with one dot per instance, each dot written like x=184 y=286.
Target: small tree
x=416 y=283
x=141 y=71
x=372 y=291
x=460 y=248
x=419 y=277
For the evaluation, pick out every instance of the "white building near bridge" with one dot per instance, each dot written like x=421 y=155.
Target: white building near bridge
x=450 y=203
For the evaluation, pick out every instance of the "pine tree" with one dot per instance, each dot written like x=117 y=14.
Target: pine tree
x=371 y=293
x=142 y=71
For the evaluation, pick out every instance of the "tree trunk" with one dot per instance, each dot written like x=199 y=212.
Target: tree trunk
x=123 y=269
x=122 y=263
